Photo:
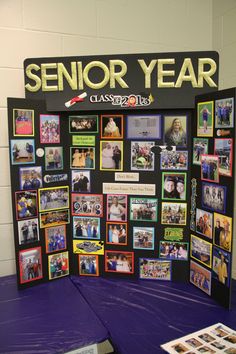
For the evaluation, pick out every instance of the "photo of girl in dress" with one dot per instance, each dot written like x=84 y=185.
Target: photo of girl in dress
x=49 y=129
x=116 y=207
x=175 y=131
x=111 y=126
x=111 y=155
x=116 y=233
x=119 y=262
x=22 y=151
x=85 y=227
x=173 y=186
x=53 y=158
x=88 y=265
x=205 y=119
x=82 y=158
x=23 y=122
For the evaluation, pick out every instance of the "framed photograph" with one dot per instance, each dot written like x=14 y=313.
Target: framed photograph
x=83 y=124
x=54 y=158
x=143 y=238
x=214 y=197
x=154 y=269
x=210 y=168
x=111 y=155
x=144 y=127
x=49 y=129
x=223 y=231
x=28 y=231
x=116 y=207
x=224 y=113
x=30 y=264
x=205 y=118
x=143 y=209
x=200 y=147
x=80 y=181
x=82 y=158
x=174 y=250
x=204 y=223
x=88 y=265
x=200 y=277
x=86 y=227
x=30 y=177
x=221 y=266
x=173 y=213
x=173 y=160
x=116 y=233
x=54 y=218
x=175 y=131
x=22 y=151
x=112 y=126
x=55 y=238
x=173 y=185
x=224 y=151
x=88 y=247
x=119 y=262
x=58 y=265
x=26 y=204
x=53 y=198
x=142 y=158
x=23 y=122
x=201 y=250
x=87 y=204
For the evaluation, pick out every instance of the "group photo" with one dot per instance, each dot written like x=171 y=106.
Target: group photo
x=49 y=129
x=86 y=227
x=143 y=209
x=116 y=233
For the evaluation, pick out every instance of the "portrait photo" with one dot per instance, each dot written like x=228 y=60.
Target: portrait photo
x=224 y=151
x=83 y=124
x=154 y=269
x=173 y=213
x=30 y=177
x=224 y=113
x=111 y=155
x=86 y=227
x=221 y=266
x=54 y=158
x=173 y=160
x=223 y=231
x=116 y=233
x=23 y=122
x=119 y=262
x=144 y=127
x=142 y=158
x=200 y=147
x=88 y=265
x=214 y=197
x=55 y=238
x=210 y=168
x=174 y=250
x=80 y=181
x=205 y=119
x=201 y=250
x=143 y=238
x=204 y=223
x=111 y=126
x=173 y=186
x=53 y=198
x=143 y=209
x=58 y=265
x=200 y=277
x=28 y=231
x=87 y=204
x=82 y=158
x=22 y=151
x=54 y=218
x=30 y=264
x=26 y=204
x=49 y=129
x=116 y=207
x=175 y=131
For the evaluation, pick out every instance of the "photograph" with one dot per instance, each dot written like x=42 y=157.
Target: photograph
x=111 y=126
x=206 y=350
x=23 y=122
x=220 y=331
x=58 y=265
x=231 y=339
x=80 y=181
x=201 y=250
x=54 y=218
x=83 y=124
x=143 y=209
x=154 y=269
x=116 y=207
x=220 y=346
x=30 y=265
x=144 y=127
x=210 y=168
x=224 y=113
x=87 y=204
x=116 y=233
x=82 y=158
x=221 y=266
x=55 y=238
x=88 y=265
x=53 y=198
x=205 y=118
x=204 y=223
x=206 y=337
x=26 y=204
x=111 y=155
x=194 y=342
x=53 y=158
x=173 y=213
x=174 y=185
x=223 y=231
x=85 y=227
x=119 y=262
x=88 y=247
x=30 y=177
x=143 y=238
x=174 y=250
x=180 y=348
x=174 y=160
x=200 y=147
x=230 y=351
x=214 y=197
x=200 y=277
x=224 y=151
x=142 y=158
x=49 y=129
x=28 y=231
x=22 y=151
x=175 y=131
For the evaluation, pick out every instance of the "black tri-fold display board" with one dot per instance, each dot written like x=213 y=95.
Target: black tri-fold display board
x=108 y=174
